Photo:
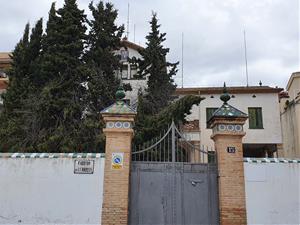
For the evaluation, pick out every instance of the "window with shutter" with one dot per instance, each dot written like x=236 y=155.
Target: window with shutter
x=255 y=118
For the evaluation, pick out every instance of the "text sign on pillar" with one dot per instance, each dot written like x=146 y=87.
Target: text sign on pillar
x=117 y=160
x=231 y=149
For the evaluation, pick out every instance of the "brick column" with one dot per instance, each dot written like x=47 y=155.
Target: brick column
x=227 y=127
x=118 y=119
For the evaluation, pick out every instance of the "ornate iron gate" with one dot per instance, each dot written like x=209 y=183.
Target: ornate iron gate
x=173 y=182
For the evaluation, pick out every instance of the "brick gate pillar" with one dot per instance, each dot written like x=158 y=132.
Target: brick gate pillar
x=227 y=132
x=118 y=119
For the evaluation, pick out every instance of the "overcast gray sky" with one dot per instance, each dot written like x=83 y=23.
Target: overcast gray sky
x=213 y=35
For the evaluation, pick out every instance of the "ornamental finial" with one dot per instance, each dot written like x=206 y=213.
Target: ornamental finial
x=120 y=93
x=225 y=96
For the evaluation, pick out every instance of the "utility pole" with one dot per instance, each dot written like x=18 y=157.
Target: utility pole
x=182 y=60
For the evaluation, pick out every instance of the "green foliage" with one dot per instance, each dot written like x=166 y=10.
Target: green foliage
x=58 y=112
x=152 y=126
x=156 y=110
x=61 y=80
x=21 y=85
x=154 y=65
x=103 y=39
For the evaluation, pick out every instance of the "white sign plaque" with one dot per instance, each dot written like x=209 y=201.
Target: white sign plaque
x=84 y=166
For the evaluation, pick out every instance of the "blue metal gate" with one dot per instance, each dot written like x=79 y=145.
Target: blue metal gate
x=173 y=182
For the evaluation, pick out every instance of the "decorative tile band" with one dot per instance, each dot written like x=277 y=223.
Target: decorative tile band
x=118 y=124
x=52 y=155
x=271 y=160
x=228 y=128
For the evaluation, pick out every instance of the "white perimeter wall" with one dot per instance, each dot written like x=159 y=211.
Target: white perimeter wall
x=272 y=193
x=45 y=190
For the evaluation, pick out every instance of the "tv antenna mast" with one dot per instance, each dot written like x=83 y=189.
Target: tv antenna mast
x=133 y=33
x=128 y=23
x=246 y=62
x=182 y=60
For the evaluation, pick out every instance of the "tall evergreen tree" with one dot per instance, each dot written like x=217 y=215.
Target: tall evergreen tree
x=158 y=70
x=50 y=49
x=60 y=106
x=156 y=107
x=104 y=39
x=19 y=67
x=21 y=86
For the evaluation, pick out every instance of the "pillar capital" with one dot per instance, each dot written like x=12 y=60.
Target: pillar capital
x=227 y=120
x=118 y=117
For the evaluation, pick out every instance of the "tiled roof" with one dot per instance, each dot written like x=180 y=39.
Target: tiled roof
x=227 y=110
x=191 y=126
x=4 y=56
x=231 y=90
x=120 y=107
x=130 y=44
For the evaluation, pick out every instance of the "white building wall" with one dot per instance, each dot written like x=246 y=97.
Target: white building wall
x=46 y=191
x=271 y=134
x=136 y=85
x=272 y=193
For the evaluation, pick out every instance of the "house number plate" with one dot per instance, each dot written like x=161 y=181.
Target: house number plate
x=231 y=149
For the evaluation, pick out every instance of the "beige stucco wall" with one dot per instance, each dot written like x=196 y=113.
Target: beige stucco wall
x=271 y=134
x=290 y=118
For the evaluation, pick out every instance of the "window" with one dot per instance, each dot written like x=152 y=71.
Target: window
x=209 y=113
x=133 y=71
x=124 y=71
x=255 y=118
x=124 y=55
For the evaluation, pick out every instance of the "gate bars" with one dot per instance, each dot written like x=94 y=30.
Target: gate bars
x=171 y=146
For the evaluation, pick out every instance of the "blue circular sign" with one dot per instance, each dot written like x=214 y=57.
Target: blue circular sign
x=117 y=160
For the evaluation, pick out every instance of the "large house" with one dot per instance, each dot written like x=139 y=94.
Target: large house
x=261 y=104
x=290 y=117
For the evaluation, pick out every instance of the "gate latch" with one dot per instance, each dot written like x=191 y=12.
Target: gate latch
x=195 y=182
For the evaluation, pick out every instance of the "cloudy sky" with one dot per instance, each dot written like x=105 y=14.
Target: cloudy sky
x=213 y=35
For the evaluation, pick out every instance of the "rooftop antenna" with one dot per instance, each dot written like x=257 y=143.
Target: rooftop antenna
x=128 y=23
x=133 y=33
x=245 y=47
x=182 y=60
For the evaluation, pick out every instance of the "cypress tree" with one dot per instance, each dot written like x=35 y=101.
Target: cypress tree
x=159 y=72
x=21 y=86
x=60 y=106
x=103 y=40
x=157 y=106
